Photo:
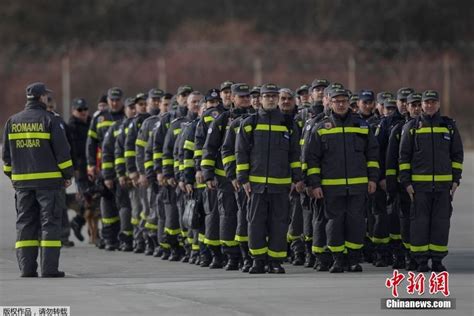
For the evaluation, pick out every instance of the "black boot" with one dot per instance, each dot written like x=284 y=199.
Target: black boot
x=175 y=254
x=166 y=254
x=274 y=266
x=232 y=264
x=338 y=265
x=139 y=246
x=410 y=263
x=216 y=262
x=422 y=264
x=258 y=267
x=323 y=262
x=437 y=265
x=244 y=250
x=149 y=246
x=299 y=259
x=111 y=246
x=309 y=257
x=205 y=260
x=76 y=225
x=353 y=258
x=380 y=258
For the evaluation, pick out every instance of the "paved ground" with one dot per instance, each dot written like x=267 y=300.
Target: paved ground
x=101 y=283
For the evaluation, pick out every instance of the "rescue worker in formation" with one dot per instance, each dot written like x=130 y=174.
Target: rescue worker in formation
x=268 y=168
x=431 y=158
x=37 y=159
x=342 y=139
x=99 y=125
x=398 y=198
x=212 y=166
x=115 y=181
x=255 y=99
x=303 y=96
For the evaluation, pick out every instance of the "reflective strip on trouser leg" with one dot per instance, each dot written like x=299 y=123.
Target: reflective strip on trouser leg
x=381 y=228
x=227 y=207
x=307 y=212
x=212 y=218
x=278 y=225
x=319 y=227
x=241 y=233
x=125 y=209
x=295 y=229
x=160 y=214
x=110 y=218
x=172 y=228
x=137 y=213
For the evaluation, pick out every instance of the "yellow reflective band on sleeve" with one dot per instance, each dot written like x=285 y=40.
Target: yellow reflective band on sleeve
x=243 y=166
x=130 y=153
x=438 y=248
x=376 y=240
x=140 y=143
x=425 y=130
x=188 y=163
x=248 y=128
x=395 y=237
x=188 y=145
x=29 y=136
x=157 y=155
x=429 y=178
x=65 y=164
x=219 y=172
x=117 y=132
x=404 y=166
x=391 y=172
x=304 y=166
x=340 y=130
x=296 y=164
x=176 y=164
x=176 y=131
x=260 y=251
x=354 y=246
x=271 y=127
x=168 y=162
x=456 y=165
x=110 y=220
x=337 y=248
x=241 y=238
x=229 y=243
x=211 y=242
x=302 y=141
x=104 y=124
x=7 y=168
x=27 y=243
x=208 y=162
x=148 y=164
x=181 y=167
x=228 y=159
x=119 y=161
x=277 y=254
x=342 y=181
x=50 y=243
x=197 y=153
x=313 y=171
x=107 y=165
x=317 y=249
x=172 y=232
x=194 y=247
x=37 y=176
x=184 y=233
x=151 y=226
x=373 y=164
x=208 y=119
x=92 y=134
x=423 y=248
x=200 y=185
x=270 y=180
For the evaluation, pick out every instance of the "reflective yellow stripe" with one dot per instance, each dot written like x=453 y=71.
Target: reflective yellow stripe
x=211 y=242
x=302 y=141
x=50 y=243
x=456 y=165
x=110 y=220
x=438 y=248
x=342 y=181
x=277 y=254
x=352 y=245
x=208 y=162
x=188 y=145
x=140 y=143
x=425 y=130
x=7 y=168
x=308 y=238
x=376 y=240
x=29 y=136
x=151 y=226
x=317 y=249
x=157 y=155
x=173 y=232
x=304 y=166
x=418 y=248
x=127 y=232
x=176 y=163
x=37 y=176
x=199 y=185
x=270 y=180
x=142 y=215
x=260 y=251
x=92 y=134
x=271 y=127
x=168 y=162
x=201 y=237
x=339 y=130
x=176 y=131
x=116 y=133
x=243 y=166
x=27 y=243
x=248 y=128
x=373 y=164
x=229 y=243
x=107 y=165
x=66 y=164
x=313 y=171
x=197 y=153
x=296 y=164
x=391 y=172
x=119 y=161
x=148 y=164
x=130 y=153
x=135 y=221
x=104 y=124
x=165 y=245
x=404 y=166
x=290 y=237
x=241 y=238
x=208 y=119
x=406 y=245
x=188 y=163
x=219 y=172
x=337 y=248
x=395 y=236
x=228 y=159
x=429 y=178
x=195 y=247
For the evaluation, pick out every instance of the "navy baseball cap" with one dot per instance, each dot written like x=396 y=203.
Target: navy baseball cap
x=403 y=93
x=302 y=88
x=269 y=88
x=36 y=89
x=155 y=93
x=130 y=102
x=390 y=103
x=430 y=95
x=226 y=84
x=414 y=97
x=212 y=94
x=255 y=90
x=319 y=83
x=115 y=93
x=240 y=89
x=79 y=103
x=381 y=96
x=338 y=92
x=184 y=89
x=366 y=95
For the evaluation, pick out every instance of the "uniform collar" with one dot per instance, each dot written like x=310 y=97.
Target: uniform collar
x=35 y=105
